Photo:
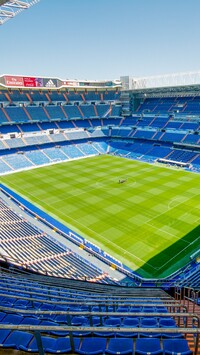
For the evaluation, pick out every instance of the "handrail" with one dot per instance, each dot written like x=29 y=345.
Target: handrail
x=101 y=313
x=188 y=294
x=89 y=287
x=9 y=292
x=37 y=329
x=109 y=303
x=152 y=292
x=100 y=329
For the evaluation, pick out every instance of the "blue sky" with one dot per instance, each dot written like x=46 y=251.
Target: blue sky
x=102 y=39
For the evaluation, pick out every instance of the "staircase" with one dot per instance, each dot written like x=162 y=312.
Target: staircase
x=8 y=97
x=82 y=115
x=23 y=139
x=29 y=97
x=46 y=112
x=95 y=110
x=48 y=97
x=122 y=120
x=5 y=113
x=153 y=120
x=108 y=149
x=27 y=113
x=83 y=97
x=5 y=144
x=185 y=296
x=196 y=156
x=108 y=112
x=5 y=162
x=190 y=337
x=64 y=112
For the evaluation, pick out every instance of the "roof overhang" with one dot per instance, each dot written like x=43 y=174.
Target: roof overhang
x=11 y=8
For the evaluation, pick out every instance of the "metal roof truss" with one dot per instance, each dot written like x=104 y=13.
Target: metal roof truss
x=10 y=9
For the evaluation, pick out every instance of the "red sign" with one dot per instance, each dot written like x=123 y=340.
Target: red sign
x=26 y=81
x=29 y=82
x=14 y=80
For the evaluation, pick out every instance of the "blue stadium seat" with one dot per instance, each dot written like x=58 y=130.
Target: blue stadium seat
x=79 y=321
x=96 y=321
x=148 y=346
x=30 y=321
x=121 y=346
x=60 y=346
x=3 y=335
x=2 y=316
x=48 y=323
x=129 y=323
x=61 y=318
x=112 y=322
x=91 y=346
x=17 y=339
x=12 y=319
x=50 y=345
x=176 y=347
x=167 y=322
x=82 y=322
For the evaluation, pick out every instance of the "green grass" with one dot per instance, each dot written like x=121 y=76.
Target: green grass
x=150 y=222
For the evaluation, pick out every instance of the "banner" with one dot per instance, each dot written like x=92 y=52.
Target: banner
x=31 y=82
x=70 y=83
x=14 y=81
x=50 y=83
x=39 y=82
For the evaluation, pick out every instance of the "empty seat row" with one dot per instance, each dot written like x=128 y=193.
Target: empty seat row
x=25 y=341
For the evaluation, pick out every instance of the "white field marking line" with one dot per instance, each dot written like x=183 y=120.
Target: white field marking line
x=97 y=184
x=76 y=194
x=107 y=240
x=179 y=253
x=173 y=235
x=172 y=208
x=55 y=209
x=157 y=268
x=180 y=239
x=185 y=212
x=174 y=199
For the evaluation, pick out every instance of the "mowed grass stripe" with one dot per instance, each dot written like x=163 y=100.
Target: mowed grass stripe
x=155 y=209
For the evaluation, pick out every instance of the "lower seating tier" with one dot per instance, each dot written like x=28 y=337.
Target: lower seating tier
x=30 y=157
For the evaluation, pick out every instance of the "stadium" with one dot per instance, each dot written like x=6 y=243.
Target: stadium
x=99 y=213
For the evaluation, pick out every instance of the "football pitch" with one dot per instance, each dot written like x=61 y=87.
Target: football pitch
x=149 y=221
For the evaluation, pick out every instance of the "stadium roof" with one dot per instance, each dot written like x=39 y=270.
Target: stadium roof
x=176 y=84
x=9 y=9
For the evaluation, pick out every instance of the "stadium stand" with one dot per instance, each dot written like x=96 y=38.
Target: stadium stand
x=42 y=314
x=47 y=127
x=44 y=255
